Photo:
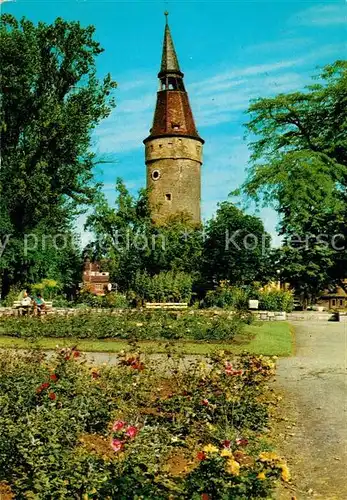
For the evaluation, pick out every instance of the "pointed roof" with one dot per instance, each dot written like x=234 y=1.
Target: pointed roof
x=173 y=115
x=169 y=60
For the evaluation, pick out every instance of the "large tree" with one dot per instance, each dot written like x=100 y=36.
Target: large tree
x=299 y=166
x=51 y=100
x=236 y=248
x=128 y=241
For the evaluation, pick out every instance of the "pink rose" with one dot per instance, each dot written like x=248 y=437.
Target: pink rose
x=132 y=431
x=118 y=425
x=117 y=445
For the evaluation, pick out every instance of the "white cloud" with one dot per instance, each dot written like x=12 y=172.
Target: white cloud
x=284 y=44
x=322 y=15
x=227 y=105
x=123 y=132
x=248 y=71
x=215 y=100
x=218 y=99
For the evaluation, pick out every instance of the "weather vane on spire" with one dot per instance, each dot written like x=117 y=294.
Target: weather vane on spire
x=166 y=14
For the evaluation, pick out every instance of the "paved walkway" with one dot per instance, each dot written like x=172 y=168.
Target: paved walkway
x=314 y=425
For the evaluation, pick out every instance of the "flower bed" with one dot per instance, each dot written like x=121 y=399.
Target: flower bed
x=127 y=325
x=138 y=430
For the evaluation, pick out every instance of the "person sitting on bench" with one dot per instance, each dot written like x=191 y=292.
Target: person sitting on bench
x=25 y=302
x=40 y=303
x=26 y=299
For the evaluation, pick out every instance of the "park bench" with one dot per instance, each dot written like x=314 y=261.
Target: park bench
x=166 y=305
x=17 y=306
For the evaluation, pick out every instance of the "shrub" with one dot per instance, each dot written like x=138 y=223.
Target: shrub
x=168 y=286
x=276 y=300
x=62 y=301
x=116 y=300
x=129 y=324
x=227 y=296
x=112 y=300
x=89 y=299
x=11 y=296
x=142 y=429
x=47 y=287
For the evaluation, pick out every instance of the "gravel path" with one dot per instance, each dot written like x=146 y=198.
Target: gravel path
x=313 y=432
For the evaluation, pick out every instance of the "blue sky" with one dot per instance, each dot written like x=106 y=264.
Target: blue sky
x=230 y=52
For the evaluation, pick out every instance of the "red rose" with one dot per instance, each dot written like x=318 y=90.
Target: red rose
x=205 y=496
x=76 y=354
x=42 y=387
x=95 y=374
x=54 y=377
x=226 y=443
x=205 y=402
x=52 y=396
x=132 y=431
x=118 y=425
x=201 y=455
x=228 y=368
x=138 y=365
x=241 y=442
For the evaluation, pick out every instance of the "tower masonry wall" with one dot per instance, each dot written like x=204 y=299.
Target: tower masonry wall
x=173 y=147
x=174 y=177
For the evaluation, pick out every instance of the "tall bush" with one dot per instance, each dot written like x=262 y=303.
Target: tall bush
x=276 y=300
x=168 y=286
x=227 y=296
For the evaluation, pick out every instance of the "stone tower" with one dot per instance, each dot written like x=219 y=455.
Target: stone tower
x=174 y=147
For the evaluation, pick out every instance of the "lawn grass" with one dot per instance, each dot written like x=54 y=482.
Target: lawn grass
x=272 y=339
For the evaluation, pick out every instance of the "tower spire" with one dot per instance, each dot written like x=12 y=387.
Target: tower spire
x=173 y=147
x=169 y=60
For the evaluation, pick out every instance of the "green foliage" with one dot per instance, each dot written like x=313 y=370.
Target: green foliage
x=168 y=286
x=299 y=166
x=47 y=287
x=62 y=301
x=116 y=300
x=237 y=247
x=111 y=300
x=128 y=324
x=51 y=100
x=130 y=244
x=226 y=296
x=71 y=430
x=276 y=300
x=11 y=296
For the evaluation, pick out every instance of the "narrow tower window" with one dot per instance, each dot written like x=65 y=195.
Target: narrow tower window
x=168 y=197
